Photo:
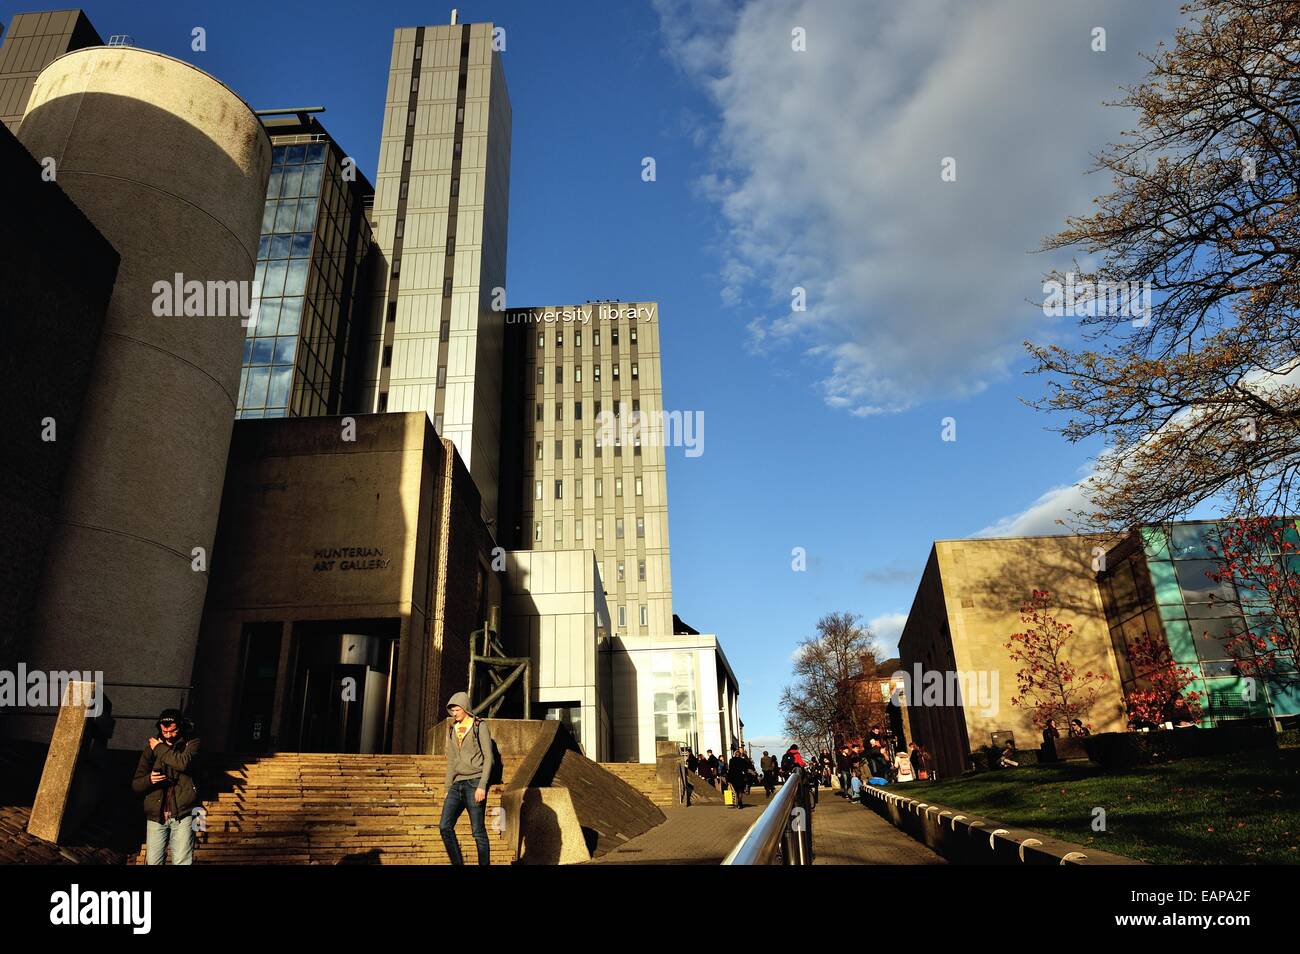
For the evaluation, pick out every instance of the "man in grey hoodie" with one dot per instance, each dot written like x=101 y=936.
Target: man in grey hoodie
x=469 y=772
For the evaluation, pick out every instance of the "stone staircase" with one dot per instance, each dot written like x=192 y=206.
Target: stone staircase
x=328 y=808
x=644 y=778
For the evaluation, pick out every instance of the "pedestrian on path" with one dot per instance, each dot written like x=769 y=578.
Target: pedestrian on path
x=768 y=765
x=903 y=767
x=469 y=772
x=737 y=775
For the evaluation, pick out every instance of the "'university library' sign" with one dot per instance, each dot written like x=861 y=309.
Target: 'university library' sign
x=349 y=558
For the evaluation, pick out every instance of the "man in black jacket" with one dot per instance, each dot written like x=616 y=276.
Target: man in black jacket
x=165 y=777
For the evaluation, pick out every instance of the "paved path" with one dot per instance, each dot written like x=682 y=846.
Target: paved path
x=699 y=835
x=847 y=833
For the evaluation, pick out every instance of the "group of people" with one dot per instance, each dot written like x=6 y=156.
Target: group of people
x=736 y=774
x=879 y=757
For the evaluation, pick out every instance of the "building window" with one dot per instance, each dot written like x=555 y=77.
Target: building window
x=577 y=338
x=541 y=371
x=632 y=334
x=559 y=530
x=539 y=450
x=634 y=370
x=577 y=375
x=540 y=411
x=638 y=486
x=640 y=526
x=442 y=375
x=598 y=410
x=645 y=619
x=618 y=486
x=618 y=528
x=410 y=118
x=640 y=570
x=559 y=410
x=455 y=188
x=392 y=311
x=388 y=356
x=613 y=333
x=577 y=410
x=595 y=372
x=397 y=267
x=559 y=450
x=541 y=341
x=537 y=531
x=595 y=338
x=437 y=423
x=600 y=530
x=559 y=374
x=444 y=331
x=401 y=190
x=577 y=529
x=406 y=155
x=451 y=245
x=559 y=490
x=577 y=448
x=383 y=401
x=616 y=370
x=401 y=227
x=600 y=482
x=559 y=338
x=415 y=83
x=537 y=490
x=460 y=115
x=620 y=571
x=622 y=617
x=446 y=288
x=418 y=50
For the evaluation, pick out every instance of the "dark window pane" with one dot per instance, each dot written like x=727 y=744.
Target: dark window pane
x=301 y=245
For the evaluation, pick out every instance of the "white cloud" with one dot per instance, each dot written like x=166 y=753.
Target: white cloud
x=826 y=171
x=1040 y=518
x=887 y=629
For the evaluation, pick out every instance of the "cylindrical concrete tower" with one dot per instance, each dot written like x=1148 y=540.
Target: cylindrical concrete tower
x=172 y=167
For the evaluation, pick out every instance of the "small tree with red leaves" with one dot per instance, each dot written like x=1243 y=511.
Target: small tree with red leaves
x=1257 y=556
x=1048 y=685
x=1159 y=694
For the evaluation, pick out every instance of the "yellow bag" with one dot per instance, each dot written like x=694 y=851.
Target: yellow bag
x=727 y=797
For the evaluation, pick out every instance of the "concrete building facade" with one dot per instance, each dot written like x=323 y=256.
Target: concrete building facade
x=35 y=40
x=171 y=167
x=440 y=219
x=966 y=607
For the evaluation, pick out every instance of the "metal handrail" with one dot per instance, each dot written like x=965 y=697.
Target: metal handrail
x=758 y=845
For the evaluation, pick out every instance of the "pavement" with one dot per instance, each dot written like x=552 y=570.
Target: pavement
x=844 y=833
x=699 y=835
x=849 y=833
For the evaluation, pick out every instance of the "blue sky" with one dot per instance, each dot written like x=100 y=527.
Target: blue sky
x=775 y=168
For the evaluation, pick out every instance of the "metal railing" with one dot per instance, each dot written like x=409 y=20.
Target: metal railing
x=784 y=828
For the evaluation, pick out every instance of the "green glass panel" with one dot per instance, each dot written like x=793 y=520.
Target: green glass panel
x=1165 y=581
x=1182 y=646
x=1155 y=542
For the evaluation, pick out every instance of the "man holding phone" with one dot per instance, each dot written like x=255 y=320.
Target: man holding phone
x=165 y=777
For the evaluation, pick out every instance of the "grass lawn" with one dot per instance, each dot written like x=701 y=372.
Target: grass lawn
x=1242 y=808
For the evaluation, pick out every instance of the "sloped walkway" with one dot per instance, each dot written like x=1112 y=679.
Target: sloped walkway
x=847 y=833
x=699 y=835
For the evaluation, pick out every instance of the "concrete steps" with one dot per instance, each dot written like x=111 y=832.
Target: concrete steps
x=323 y=808
x=644 y=778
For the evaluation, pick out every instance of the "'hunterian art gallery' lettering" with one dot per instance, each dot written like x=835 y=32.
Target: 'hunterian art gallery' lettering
x=349 y=558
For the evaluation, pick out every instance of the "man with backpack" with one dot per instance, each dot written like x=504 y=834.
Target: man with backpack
x=469 y=773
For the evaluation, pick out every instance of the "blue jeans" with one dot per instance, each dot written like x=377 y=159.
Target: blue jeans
x=460 y=796
x=178 y=831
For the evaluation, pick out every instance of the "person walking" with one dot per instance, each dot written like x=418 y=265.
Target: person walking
x=713 y=764
x=917 y=757
x=469 y=773
x=165 y=777
x=737 y=776
x=903 y=771
x=768 y=764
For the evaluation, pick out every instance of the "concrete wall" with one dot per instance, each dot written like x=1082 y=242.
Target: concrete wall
x=171 y=167
x=966 y=608
x=57 y=272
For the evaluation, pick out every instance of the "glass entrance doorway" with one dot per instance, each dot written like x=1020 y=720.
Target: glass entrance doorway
x=343 y=687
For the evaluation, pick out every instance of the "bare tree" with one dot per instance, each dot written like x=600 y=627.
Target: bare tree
x=1197 y=394
x=827 y=695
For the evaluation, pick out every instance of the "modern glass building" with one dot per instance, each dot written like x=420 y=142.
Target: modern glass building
x=304 y=339
x=1157 y=582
